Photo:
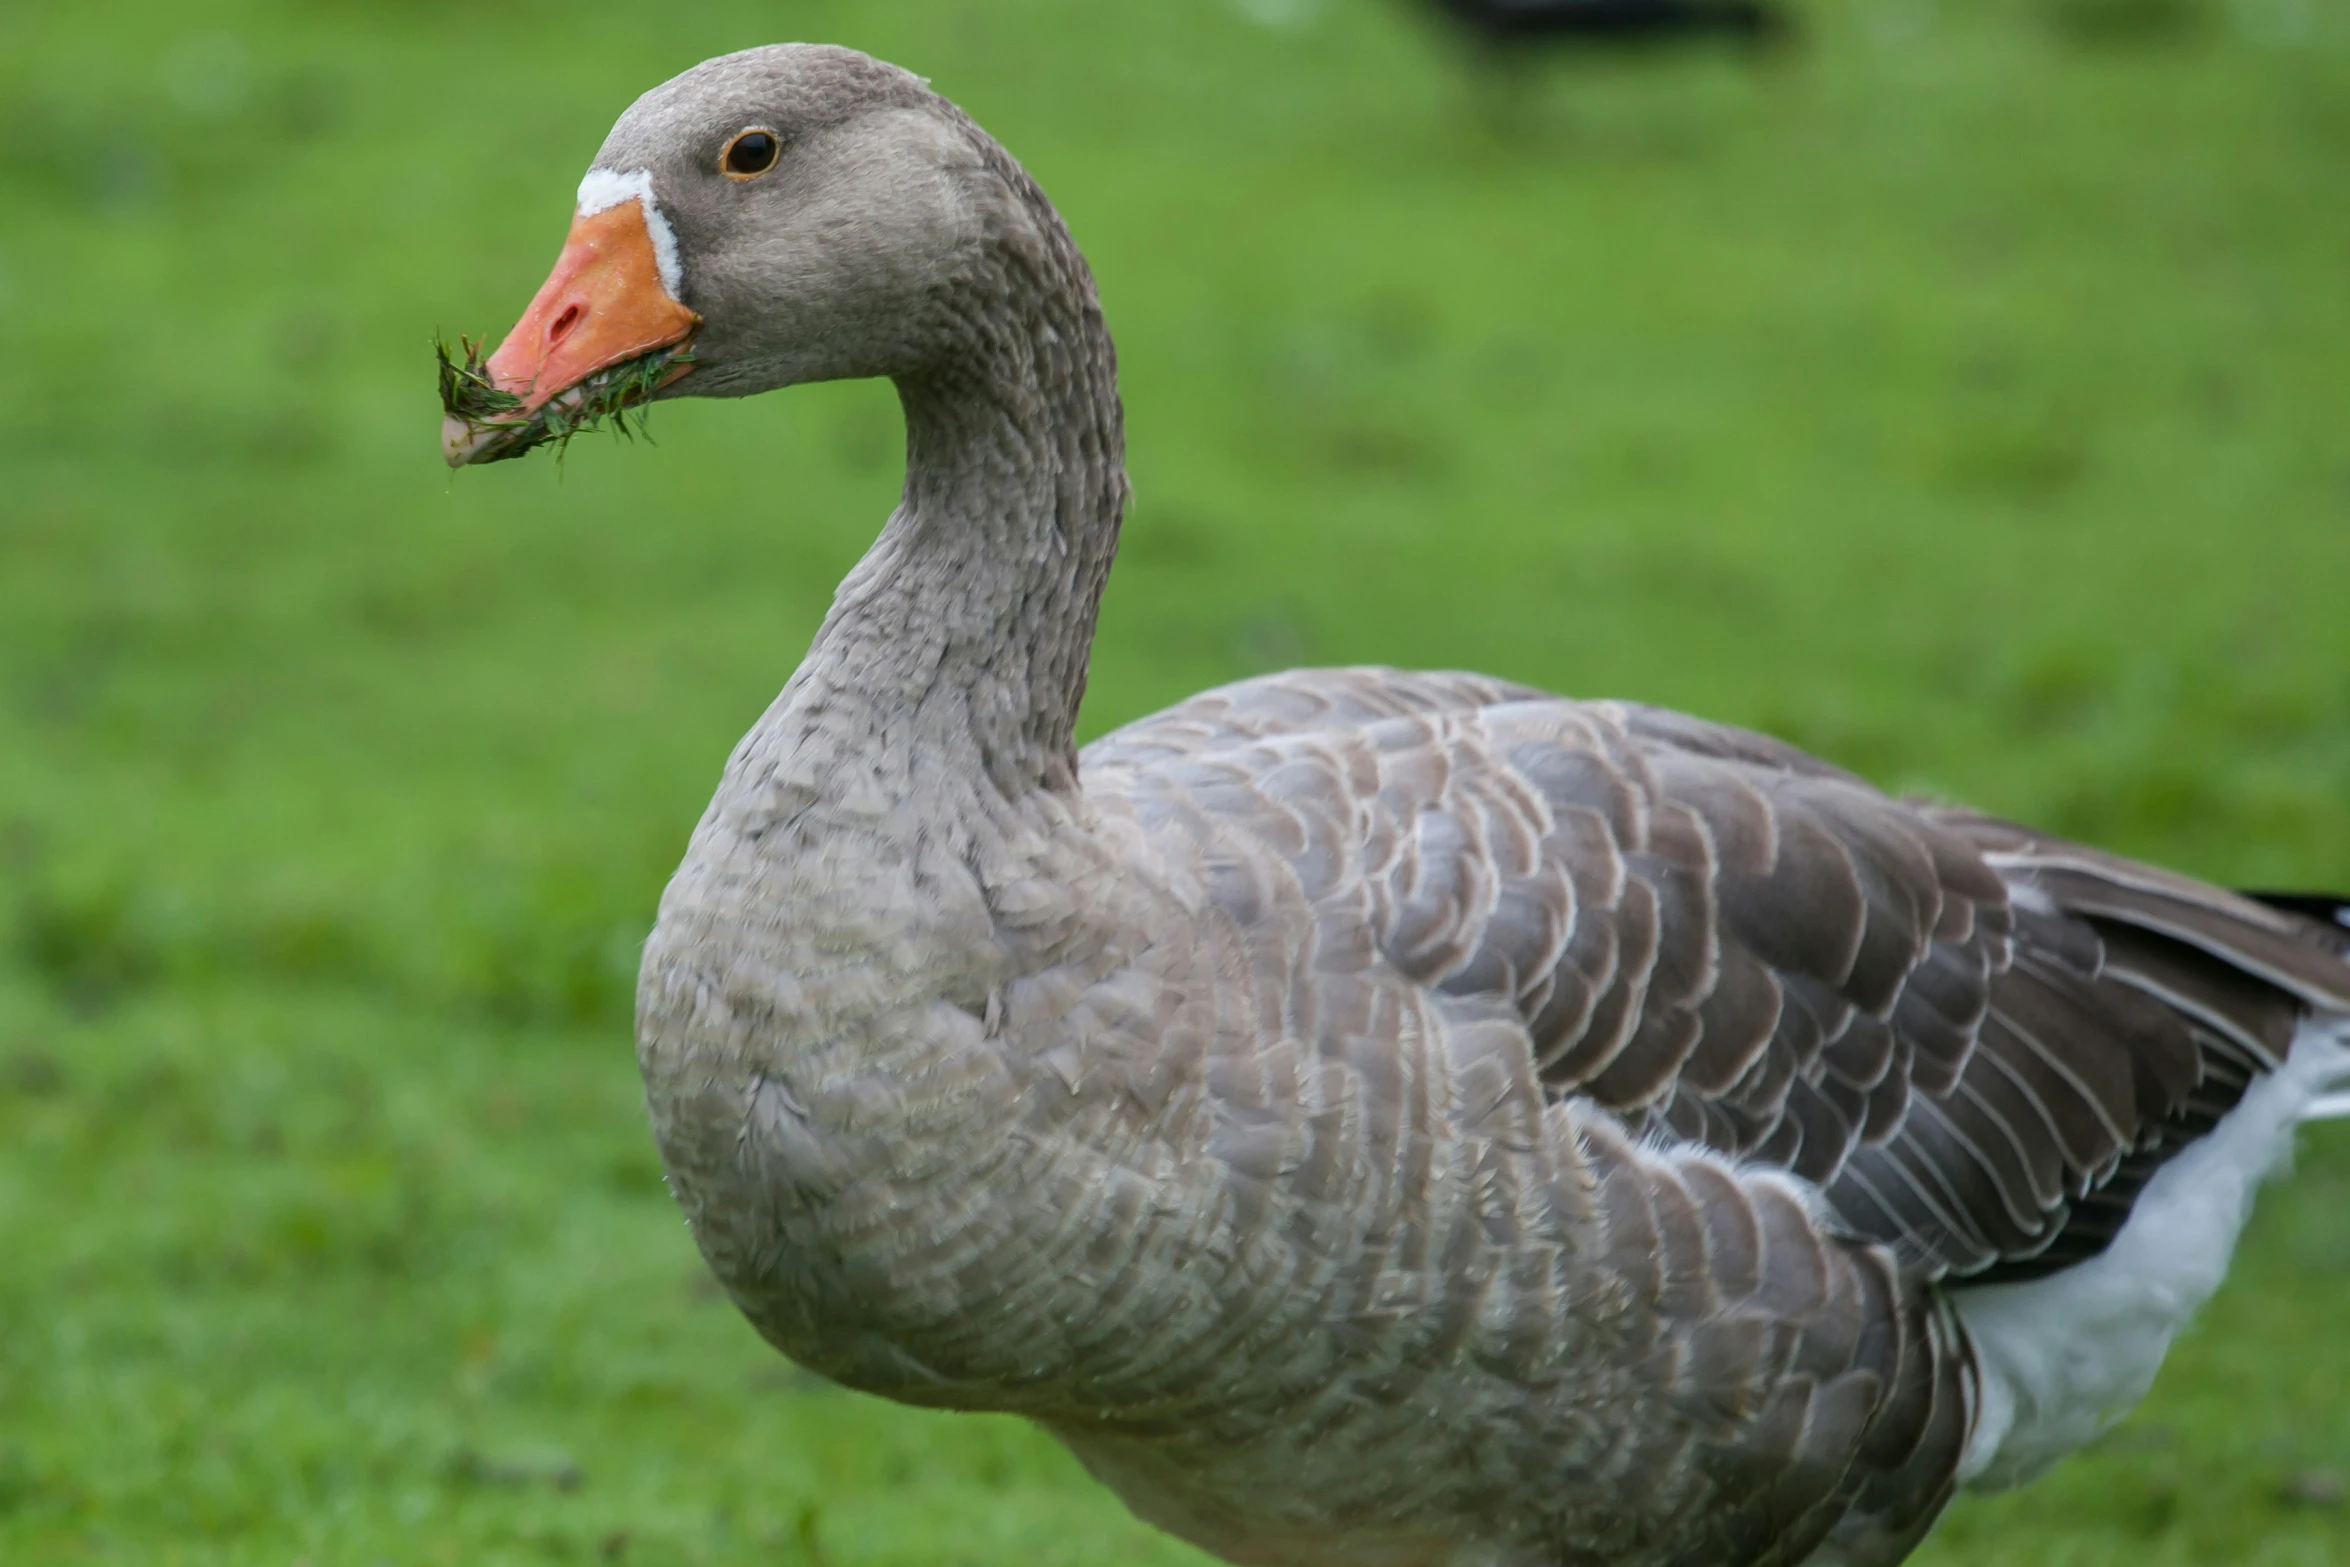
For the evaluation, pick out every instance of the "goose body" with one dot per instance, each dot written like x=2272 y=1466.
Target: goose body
x=1373 y=1118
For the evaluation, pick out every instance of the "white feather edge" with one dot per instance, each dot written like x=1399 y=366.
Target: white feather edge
x=603 y=188
x=2062 y=1358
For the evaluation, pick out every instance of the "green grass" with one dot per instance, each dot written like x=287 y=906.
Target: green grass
x=1964 y=396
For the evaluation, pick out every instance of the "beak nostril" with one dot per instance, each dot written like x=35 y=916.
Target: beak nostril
x=605 y=304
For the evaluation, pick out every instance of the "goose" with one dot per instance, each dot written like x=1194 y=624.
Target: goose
x=1370 y=1117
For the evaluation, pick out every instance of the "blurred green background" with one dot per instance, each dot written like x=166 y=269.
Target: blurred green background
x=1965 y=394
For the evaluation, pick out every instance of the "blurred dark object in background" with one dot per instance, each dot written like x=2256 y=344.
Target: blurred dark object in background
x=1514 y=24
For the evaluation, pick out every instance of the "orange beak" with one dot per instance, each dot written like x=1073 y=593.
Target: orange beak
x=604 y=304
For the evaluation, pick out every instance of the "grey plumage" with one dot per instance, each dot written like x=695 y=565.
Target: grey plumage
x=1958 y=1031
x=1371 y=1117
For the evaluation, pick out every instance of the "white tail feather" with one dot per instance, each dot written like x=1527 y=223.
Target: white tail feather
x=2063 y=1357
x=2331 y=1107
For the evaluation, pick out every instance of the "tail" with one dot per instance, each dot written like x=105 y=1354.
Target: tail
x=2331 y=917
x=2333 y=1102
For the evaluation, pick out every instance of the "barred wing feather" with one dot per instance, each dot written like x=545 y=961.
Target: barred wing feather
x=1977 y=1042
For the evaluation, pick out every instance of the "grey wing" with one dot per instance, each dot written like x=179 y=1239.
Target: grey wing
x=1976 y=1042
x=1765 y=1380
x=1976 y=1045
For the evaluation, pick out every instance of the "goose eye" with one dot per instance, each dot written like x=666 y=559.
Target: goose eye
x=749 y=155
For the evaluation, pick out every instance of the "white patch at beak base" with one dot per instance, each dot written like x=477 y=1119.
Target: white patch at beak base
x=602 y=188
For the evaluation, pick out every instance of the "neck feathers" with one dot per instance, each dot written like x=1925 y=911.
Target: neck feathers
x=961 y=641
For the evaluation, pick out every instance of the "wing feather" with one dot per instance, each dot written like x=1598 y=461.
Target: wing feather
x=1978 y=1042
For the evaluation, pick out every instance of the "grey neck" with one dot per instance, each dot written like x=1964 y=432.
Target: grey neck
x=957 y=648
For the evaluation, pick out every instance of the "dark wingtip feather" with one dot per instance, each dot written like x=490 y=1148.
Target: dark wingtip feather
x=2323 y=906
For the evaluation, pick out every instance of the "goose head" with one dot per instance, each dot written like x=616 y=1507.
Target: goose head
x=786 y=214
